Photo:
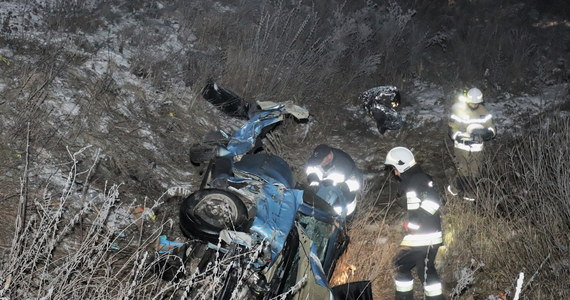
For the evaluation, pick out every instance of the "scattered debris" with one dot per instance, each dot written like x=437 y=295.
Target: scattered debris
x=178 y=191
x=115 y=246
x=163 y=245
x=144 y=213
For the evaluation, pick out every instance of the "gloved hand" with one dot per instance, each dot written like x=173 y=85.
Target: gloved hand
x=488 y=135
x=483 y=134
x=476 y=139
x=312 y=178
x=459 y=138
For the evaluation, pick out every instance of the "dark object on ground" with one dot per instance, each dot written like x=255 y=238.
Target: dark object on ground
x=482 y=134
x=170 y=267
x=227 y=101
x=359 y=290
x=381 y=103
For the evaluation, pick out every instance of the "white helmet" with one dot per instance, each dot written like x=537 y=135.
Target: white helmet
x=474 y=95
x=401 y=158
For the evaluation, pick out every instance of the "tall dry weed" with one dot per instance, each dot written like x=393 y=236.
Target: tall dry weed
x=520 y=220
x=66 y=248
x=375 y=236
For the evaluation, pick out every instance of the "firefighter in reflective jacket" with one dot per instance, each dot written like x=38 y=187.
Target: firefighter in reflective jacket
x=470 y=125
x=419 y=247
x=335 y=176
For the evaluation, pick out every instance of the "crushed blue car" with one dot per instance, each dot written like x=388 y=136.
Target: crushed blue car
x=250 y=215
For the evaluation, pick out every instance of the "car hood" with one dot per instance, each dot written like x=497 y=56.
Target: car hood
x=270 y=168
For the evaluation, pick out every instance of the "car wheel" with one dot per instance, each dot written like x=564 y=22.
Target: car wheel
x=206 y=212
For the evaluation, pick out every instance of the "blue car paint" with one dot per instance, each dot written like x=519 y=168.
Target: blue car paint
x=276 y=211
x=317 y=268
x=269 y=168
x=278 y=203
x=244 y=138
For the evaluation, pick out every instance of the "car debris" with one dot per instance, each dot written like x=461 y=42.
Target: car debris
x=251 y=219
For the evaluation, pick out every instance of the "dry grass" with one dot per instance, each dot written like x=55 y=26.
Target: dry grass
x=520 y=223
x=58 y=254
x=374 y=240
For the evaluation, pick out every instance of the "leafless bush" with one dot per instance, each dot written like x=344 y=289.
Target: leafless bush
x=279 y=51
x=80 y=246
x=374 y=235
x=64 y=249
x=520 y=222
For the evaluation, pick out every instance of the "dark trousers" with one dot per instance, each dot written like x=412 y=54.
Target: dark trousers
x=422 y=258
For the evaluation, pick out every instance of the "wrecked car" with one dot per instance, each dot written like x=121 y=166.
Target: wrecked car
x=254 y=232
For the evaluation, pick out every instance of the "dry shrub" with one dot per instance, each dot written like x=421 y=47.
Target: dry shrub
x=374 y=239
x=520 y=222
x=278 y=51
x=77 y=243
x=62 y=251
x=485 y=47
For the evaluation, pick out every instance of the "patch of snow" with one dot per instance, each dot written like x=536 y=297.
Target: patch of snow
x=423 y=105
x=512 y=113
x=104 y=124
x=52 y=174
x=119 y=219
x=7 y=53
x=144 y=132
x=185 y=173
x=149 y=146
x=64 y=107
x=222 y=8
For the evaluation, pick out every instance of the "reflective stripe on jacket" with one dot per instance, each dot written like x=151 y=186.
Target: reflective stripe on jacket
x=463 y=119
x=341 y=169
x=423 y=205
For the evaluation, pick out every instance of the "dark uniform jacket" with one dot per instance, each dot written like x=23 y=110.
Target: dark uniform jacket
x=423 y=204
x=343 y=165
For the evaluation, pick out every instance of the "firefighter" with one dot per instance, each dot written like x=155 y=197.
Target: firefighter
x=470 y=125
x=423 y=227
x=335 y=177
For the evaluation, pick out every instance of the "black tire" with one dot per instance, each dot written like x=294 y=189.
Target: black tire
x=206 y=212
